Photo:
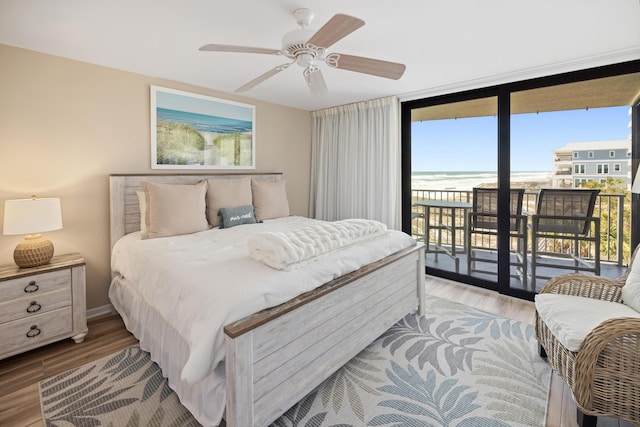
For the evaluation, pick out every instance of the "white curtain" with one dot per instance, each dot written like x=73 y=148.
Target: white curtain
x=355 y=162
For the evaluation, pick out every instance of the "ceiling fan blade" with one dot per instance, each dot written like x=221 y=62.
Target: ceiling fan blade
x=262 y=78
x=315 y=81
x=335 y=29
x=240 y=49
x=359 y=64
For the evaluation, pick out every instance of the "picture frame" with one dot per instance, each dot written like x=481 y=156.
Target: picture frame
x=193 y=131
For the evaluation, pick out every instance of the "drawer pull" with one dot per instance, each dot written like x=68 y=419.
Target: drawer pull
x=33 y=307
x=31 y=287
x=33 y=332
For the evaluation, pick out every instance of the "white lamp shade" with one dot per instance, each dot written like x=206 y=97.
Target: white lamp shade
x=31 y=216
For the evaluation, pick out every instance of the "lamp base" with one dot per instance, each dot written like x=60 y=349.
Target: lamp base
x=33 y=251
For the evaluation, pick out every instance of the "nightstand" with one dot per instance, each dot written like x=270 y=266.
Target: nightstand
x=42 y=304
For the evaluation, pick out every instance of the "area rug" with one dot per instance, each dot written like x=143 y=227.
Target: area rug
x=456 y=366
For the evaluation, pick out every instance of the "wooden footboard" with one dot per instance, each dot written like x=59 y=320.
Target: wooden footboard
x=277 y=356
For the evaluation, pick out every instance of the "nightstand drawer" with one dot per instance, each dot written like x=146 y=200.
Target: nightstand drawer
x=28 y=333
x=33 y=285
x=42 y=304
x=35 y=304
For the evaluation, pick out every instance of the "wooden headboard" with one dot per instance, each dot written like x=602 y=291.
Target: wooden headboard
x=124 y=209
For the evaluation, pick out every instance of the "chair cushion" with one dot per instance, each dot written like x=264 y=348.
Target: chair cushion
x=571 y=318
x=631 y=289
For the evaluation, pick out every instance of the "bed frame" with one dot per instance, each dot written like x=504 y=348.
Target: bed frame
x=277 y=356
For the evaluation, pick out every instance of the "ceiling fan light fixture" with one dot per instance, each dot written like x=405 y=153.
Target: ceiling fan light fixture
x=305 y=59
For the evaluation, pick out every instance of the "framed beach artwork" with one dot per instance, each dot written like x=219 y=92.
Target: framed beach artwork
x=192 y=131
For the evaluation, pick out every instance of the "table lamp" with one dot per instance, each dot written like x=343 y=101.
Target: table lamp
x=32 y=217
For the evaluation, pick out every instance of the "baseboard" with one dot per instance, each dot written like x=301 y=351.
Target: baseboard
x=100 y=311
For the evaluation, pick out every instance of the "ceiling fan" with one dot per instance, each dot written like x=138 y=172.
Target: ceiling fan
x=307 y=47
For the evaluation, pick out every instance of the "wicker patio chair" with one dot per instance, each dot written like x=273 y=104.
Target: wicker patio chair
x=483 y=231
x=559 y=228
x=604 y=372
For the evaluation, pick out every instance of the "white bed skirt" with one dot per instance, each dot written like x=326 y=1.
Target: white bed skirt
x=206 y=399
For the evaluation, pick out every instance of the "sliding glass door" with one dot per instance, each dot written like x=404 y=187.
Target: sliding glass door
x=453 y=157
x=571 y=152
x=511 y=185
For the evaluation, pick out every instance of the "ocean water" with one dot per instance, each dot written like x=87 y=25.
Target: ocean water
x=466 y=180
x=205 y=123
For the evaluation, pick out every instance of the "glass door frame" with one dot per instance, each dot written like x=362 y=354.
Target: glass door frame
x=406 y=109
x=503 y=93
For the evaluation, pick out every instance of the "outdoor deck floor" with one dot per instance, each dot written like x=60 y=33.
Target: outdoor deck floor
x=444 y=262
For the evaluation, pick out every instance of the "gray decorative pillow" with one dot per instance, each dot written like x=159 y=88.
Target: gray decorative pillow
x=231 y=217
x=227 y=193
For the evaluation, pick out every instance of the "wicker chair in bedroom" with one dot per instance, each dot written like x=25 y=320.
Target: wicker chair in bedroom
x=603 y=369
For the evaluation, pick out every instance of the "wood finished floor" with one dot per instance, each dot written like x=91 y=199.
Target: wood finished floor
x=19 y=375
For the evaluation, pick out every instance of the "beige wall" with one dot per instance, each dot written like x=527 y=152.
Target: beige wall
x=66 y=125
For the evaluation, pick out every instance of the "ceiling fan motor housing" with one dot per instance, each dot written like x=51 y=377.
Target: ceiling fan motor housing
x=295 y=41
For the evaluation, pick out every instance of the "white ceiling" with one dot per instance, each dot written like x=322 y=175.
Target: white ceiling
x=446 y=44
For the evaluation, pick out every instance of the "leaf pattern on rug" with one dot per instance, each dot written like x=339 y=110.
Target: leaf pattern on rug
x=79 y=404
x=498 y=327
x=185 y=420
x=155 y=381
x=294 y=417
x=426 y=403
x=353 y=377
x=444 y=343
x=499 y=380
x=514 y=362
x=84 y=402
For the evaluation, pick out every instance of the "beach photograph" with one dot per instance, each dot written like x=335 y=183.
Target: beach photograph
x=191 y=131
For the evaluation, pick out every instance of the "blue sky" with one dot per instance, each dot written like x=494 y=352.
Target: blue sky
x=470 y=144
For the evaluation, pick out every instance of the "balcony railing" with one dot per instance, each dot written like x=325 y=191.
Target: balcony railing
x=610 y=208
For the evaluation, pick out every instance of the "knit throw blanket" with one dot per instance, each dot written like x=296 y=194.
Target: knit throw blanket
x=287 y=250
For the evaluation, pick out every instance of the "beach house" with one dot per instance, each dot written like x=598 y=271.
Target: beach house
x=579 y=162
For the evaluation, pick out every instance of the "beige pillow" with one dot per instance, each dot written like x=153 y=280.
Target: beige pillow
x=227 y=193
x=269 y=199
x=174 y=209
x=142 y=205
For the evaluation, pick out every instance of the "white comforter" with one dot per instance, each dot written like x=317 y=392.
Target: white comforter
x=200 y=282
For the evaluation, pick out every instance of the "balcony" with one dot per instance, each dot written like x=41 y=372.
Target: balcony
x=567 y=172
x=613 y=211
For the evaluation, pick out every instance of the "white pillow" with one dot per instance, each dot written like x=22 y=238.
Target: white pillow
x=631 y=288
x=227 y=193
x=174 y=209
x=269 y=199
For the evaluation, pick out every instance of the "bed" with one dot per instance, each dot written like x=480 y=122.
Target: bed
x=272 y=356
